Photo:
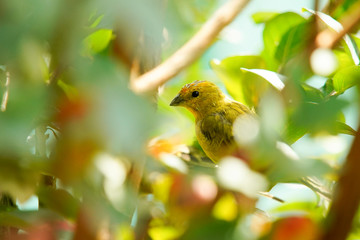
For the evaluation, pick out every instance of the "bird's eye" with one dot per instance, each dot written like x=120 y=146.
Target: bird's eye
x=195 y=93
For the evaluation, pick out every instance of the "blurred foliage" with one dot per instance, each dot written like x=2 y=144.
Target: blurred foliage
x=74 y=135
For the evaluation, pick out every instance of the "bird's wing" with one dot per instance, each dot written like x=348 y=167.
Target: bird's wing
x=239 y=109
x=217 y=128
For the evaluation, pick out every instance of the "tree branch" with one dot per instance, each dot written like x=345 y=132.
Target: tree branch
x=193 y=49
x=347 y=196
x=329 y=38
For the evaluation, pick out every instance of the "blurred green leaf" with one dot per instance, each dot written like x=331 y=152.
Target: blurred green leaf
x=59 y=201
x=262 y=17
x=209 y=228
x=293 y=41
x=20 y=183
x=293 y=132
x=26 y=105
x=343 y=8
x=243 y=86
x=346 y=78
x=26 y=219
x=344 y=128
x=319 y=116
x=164 y=233
x=98 y=41
x=284 y=169
x=328 y=87
x=273 y=33
x=296 y=206
x=96 y=21
x=11 y=220
x=343 y=58
x=120 y=127
x=70 y=91
x=312 y=94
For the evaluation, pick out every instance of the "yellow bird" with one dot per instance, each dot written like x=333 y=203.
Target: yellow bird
x=214 y=115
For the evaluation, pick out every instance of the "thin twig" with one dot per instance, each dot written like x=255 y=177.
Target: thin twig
x=193 y=49
x=268 y=195
x=6 y=93
x=317 y=187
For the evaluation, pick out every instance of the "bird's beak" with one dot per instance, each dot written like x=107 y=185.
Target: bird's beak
x=176 y=101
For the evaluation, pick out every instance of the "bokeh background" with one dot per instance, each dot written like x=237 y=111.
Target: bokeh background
x=85 y=156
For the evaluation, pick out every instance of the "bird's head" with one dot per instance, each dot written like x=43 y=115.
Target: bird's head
x=199 y=97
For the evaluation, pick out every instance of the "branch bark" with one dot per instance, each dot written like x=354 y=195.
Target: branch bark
x=347 y=196
x=193 y=49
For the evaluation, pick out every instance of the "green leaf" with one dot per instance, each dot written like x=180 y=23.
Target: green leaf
x=11 y=220
x=346 y=78
x=293 y=132
x=274 y=32
x=312 y=94
x=293 y=42
x=262 y=17
x=209 y=228
x=26 y=219
x=275 y=79
x=60 y=201
x=70 y=91
x=343 y=8
x=97 y=21
x=356 y=40
x=319 y=116
x=291 y=207
x=343 y=59
x=344 y=128
x=243 y=86
x=328 y=87
x=98 y=41
x=164 y=232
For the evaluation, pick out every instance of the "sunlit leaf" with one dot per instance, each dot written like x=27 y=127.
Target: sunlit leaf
x=164 y=233
x=296 y=206
x=98 y=40
x=225 y=208
x=343 y=59
x=275 y=79
x=262 y=17
x=346 y=78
